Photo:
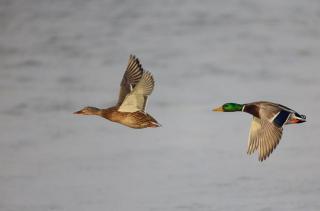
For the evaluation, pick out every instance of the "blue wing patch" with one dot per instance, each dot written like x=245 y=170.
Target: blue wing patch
x=281 y=118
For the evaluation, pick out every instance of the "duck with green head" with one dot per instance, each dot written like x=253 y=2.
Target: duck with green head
x=267 y=124
x=135 y=87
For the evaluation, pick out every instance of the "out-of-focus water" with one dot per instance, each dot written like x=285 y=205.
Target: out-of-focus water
x=58 y=56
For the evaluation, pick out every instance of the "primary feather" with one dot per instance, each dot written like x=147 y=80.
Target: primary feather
x=136 y=100
x=130 y=78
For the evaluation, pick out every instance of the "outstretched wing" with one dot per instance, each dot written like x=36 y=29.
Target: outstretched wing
x=263 y=136
x=130 y=78
x=137 y=99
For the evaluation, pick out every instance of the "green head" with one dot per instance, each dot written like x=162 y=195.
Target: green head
x=229 y=107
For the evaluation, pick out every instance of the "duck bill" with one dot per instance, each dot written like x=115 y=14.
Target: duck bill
x=78 y=112
x=219 y=109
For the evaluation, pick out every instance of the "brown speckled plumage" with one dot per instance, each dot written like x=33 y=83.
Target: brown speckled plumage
x=136 y=119
x=135 y=87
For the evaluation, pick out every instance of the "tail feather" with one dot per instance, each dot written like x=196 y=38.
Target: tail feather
x=154 y=124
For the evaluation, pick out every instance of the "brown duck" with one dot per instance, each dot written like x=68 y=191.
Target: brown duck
x=135 y=87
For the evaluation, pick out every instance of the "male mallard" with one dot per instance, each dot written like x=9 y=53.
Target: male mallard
x=266 y=126
x=135 y=87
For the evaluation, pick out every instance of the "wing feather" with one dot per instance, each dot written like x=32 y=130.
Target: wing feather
x=263 y=136
x=130 y=78
x=137 y=99
x=253 y=141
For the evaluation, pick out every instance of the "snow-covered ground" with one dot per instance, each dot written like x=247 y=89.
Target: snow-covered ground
x=58 y=56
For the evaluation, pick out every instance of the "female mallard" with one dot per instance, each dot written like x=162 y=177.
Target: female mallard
x=266 y=126
x=135 y=87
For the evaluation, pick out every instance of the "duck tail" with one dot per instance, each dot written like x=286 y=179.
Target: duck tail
x=154 y=124
x=297 y=118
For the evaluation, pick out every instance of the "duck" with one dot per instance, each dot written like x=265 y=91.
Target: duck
x=135 y=88
x=267 y=124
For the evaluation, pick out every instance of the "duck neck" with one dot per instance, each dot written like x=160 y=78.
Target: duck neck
x=108 y=113
x=95 y=111
x=251 y=109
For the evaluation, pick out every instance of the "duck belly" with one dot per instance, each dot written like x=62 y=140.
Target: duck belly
x=138 y=120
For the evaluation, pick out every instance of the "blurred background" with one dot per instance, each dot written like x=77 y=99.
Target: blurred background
x=58 y=56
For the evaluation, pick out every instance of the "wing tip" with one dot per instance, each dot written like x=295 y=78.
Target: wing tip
x=148 y=75
x=132 y=56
